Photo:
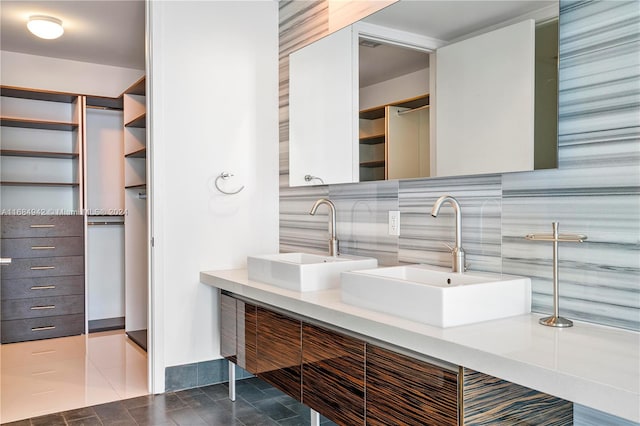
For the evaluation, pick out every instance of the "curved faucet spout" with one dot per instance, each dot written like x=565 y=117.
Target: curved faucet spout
x=333 y=241
x=457 y=252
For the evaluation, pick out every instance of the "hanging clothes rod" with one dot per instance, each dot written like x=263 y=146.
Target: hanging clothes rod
x=104 y=108
x=413 y=110
x=101 y=223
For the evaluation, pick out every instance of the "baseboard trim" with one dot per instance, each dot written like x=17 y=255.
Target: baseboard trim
x=106 y=324
x=199 y=374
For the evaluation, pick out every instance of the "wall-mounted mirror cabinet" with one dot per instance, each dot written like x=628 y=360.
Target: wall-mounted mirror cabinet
x=427 y=89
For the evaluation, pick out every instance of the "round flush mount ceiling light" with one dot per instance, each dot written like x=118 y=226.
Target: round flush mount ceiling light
x=45 y=26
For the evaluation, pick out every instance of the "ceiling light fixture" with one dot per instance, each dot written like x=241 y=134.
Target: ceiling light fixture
x=45 y=26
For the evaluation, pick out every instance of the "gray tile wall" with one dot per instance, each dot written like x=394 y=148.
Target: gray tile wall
x=595 y=191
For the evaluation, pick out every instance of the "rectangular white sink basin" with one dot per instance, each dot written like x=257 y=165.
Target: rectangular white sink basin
x=437 y=297
x=302 y=271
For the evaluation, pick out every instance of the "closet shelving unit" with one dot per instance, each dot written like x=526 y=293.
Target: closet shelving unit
x=42 y=144
x=375 y=137
x=42 y=201
x=135 y=153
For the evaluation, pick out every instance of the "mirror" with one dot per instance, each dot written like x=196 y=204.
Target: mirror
x=356 y=115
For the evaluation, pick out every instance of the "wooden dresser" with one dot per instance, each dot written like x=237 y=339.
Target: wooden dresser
x=43 y=289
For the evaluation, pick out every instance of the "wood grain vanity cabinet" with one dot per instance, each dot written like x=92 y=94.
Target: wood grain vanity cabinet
x=333 y=374
x=43 y=288
x=280 y=351
x=355 y=381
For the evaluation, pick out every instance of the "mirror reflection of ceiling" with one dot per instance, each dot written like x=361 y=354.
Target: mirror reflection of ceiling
x=382 y=62
x=439 y=19
x=448 y=20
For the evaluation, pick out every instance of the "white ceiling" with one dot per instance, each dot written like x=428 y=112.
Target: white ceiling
x=108 y=32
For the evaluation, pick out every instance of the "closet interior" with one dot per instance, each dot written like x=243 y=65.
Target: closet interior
x=74 y=214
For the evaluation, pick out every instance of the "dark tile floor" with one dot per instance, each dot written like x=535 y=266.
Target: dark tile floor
x=257 y=403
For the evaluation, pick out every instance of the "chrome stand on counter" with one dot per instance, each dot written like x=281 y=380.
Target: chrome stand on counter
x=556 y=320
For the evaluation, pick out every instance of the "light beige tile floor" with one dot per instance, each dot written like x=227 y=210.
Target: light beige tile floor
x=53 y=375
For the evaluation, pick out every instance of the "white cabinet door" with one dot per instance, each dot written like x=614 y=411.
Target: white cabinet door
x=323 y=111
x=485 y=102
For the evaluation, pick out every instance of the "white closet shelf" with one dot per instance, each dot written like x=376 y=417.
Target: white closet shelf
x=14 y=183
x=38 y=154
x=27 y=123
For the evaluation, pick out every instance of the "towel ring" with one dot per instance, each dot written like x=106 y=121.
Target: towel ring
x=225 y=176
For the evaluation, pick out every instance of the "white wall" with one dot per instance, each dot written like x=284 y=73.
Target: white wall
x=399 y=88
x=62 y=75
x=105 y=272
x=213 y=78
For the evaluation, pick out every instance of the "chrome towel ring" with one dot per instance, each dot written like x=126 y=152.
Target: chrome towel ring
x=225 y=176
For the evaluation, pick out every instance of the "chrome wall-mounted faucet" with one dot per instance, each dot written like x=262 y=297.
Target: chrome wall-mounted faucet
x=333 y=241
x=457 y=254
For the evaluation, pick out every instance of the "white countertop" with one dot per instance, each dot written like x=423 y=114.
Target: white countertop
x=588 y=364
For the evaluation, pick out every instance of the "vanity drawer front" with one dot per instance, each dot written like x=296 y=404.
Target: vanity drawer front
x=404 y=390
x=280 y=352
x=42 y=226
x=20 y=248
x=36 y=307
x=23 y=288
x=333 y=374
x=42 y=328
x=43 y=267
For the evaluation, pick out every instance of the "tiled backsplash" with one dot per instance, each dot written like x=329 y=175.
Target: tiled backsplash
x=595 y=191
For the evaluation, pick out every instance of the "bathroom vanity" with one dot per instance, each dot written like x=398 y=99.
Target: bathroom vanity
x=355 y=366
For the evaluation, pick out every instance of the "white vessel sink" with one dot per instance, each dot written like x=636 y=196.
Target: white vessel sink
x=302 y=271
x=437 y=297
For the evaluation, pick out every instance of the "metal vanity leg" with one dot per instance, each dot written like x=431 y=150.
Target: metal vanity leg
x=315 y=417
x=232 y=381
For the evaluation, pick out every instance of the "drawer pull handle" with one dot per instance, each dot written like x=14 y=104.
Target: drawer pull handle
x=39 y=308
x=47 y=327
x=42 y=268
x=42 y=226
x=43 y=248
x=43 y=287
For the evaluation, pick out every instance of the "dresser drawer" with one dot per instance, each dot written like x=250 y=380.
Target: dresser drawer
x=42 y=328
x=42 y=226
x=20 y=248
x=23 y=288
x=43 y=267
x=42 y=307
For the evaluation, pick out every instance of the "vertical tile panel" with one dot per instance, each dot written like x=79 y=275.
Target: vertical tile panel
x=363 y=219
x=423 y=237
x=299 y=231
x=596 y=190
